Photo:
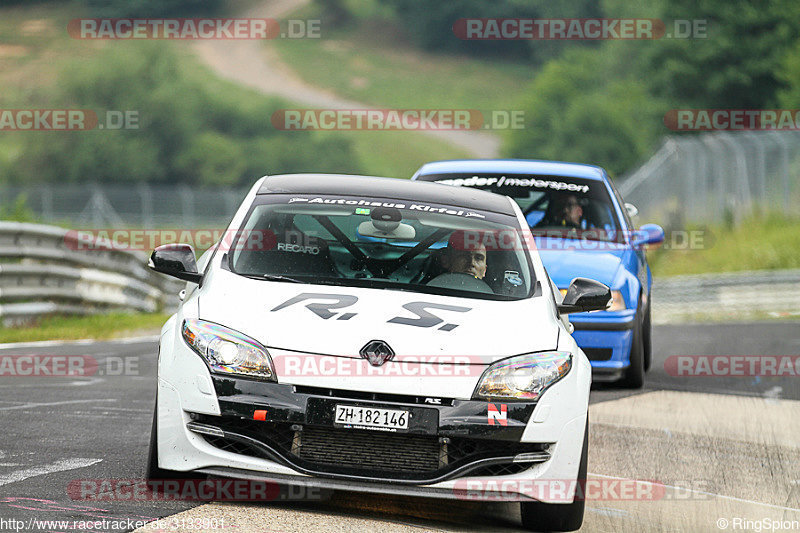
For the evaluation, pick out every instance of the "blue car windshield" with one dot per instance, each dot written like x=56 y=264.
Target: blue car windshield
x=384 y=243
x=552 y=205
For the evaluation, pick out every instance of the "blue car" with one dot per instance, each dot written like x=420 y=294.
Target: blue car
x=582 y=228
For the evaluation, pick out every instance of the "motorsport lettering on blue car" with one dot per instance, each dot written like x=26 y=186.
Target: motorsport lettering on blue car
x=478 y=181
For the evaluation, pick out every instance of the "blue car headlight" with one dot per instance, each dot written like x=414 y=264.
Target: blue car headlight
x=617 y=302
x=524 y=377
x=227 y=351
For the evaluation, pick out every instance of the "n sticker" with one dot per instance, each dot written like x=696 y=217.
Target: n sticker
x=499 y=416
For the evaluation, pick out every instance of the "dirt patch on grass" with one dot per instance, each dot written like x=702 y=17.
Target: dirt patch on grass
x=10 y=51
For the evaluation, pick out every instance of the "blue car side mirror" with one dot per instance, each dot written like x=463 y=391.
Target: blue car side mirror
x=648 y=234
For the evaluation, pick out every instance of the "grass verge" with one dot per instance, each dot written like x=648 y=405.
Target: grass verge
x=106 y=326
x=369 y=60
x=726 y=317
x=768 y=242
x=398 y=154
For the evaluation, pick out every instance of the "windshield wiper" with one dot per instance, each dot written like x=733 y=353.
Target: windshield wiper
x=272 y=277
x=276 y=277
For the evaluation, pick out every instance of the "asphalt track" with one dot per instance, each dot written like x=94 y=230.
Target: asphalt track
x=724 y=448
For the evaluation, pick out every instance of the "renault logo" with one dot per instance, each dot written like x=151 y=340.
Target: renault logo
x=377 y=352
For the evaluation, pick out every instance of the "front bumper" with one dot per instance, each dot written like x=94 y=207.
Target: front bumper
x=606 y=339
x=190 y=400
x=180 y=448
x=296 y=429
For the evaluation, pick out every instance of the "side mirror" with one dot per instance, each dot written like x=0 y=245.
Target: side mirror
x=585 y=295
x=648 y=234
x=176 y=260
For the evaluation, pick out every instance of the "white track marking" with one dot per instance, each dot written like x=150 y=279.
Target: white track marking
x=88 y=381
x=773 y=394
x=703 y=492
x=58 y=466
x=759 y=420
x=44 y=344
x=31 y=404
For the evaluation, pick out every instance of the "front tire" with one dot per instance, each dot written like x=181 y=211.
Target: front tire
x=539 y=516
x=153 y=471
x=634 y=374
x=647 y=338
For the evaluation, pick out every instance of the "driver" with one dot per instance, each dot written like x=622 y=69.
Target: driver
x=565 y=210
x=465 y=253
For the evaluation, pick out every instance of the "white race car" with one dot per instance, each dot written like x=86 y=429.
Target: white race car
x=377 y=335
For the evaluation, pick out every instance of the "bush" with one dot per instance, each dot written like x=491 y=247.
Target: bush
x=578 y=110
x=152 y=8
x=193 y=128
x=18 y=210
x=430 y=25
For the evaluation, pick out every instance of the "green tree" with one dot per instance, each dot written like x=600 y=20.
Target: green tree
x=789 y=75
x=581 y=108
x=430 y=25
x=736 y=66
x=192 y=128
x=152 y=8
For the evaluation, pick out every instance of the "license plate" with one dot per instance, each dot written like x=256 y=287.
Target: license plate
x=371 y=418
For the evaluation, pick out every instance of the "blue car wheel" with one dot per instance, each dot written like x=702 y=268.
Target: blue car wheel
x=634 y=374
x=646 y=337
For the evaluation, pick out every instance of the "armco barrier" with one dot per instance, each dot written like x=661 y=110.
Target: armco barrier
x=731 y=295
x=42 y=272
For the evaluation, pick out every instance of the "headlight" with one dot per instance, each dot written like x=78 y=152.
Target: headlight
x=617 y=301
x=524 y=377
x=227 y=351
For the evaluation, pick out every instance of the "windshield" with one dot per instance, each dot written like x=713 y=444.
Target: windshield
x=552 y=205
x=383 y=243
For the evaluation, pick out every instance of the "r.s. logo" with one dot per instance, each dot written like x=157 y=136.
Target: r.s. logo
x=325 y=304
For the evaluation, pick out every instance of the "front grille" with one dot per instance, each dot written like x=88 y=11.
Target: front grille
x=369 y=450
x=368 y=454
x=598 y=354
